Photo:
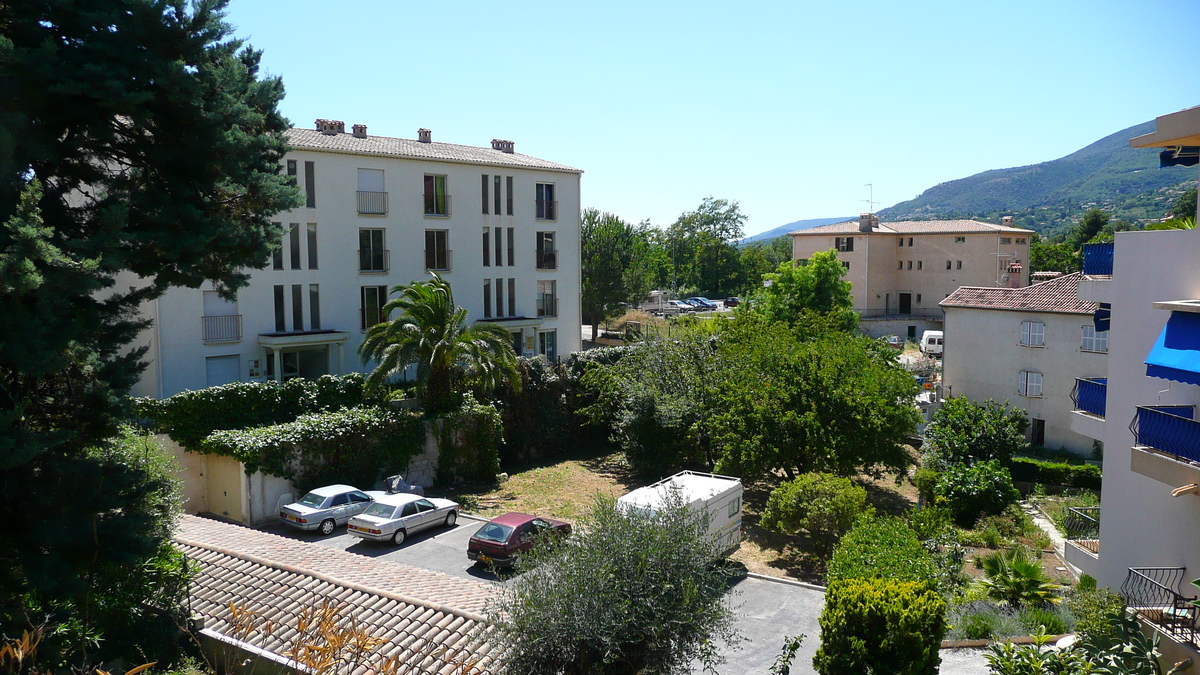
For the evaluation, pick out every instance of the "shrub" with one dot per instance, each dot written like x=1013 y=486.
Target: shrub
x=929 y=522
x=820 y=505
x=983 y=620
x=469 y=443
x=1013 y=577
x=873 y=627
x=966 y=432
x=926 y=480
x=980 y=489
x=883 y=548
x=1095 y=610
x=1055 y=621
x=1083 y=476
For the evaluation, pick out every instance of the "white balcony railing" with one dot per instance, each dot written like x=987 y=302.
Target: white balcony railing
x=227 y=328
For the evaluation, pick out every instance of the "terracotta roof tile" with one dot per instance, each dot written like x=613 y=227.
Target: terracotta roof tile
x=914 y=227
x=384 y=146
x=1059 y=295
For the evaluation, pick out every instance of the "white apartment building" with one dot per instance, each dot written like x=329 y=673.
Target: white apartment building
x=900 y=271
x=1026 y=346
x=1149 y=287
x=501 y=227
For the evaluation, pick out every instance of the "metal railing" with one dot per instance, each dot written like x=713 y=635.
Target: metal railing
x=547 y=306
x=373 y=260
x=1090 y=395
x=1153 y=592
x=547 y=260
x=547 y=209
x=1098 y=259
x=225 y=328
x=372 y=203
x=437 y=205
x=439 y=259
x=1168 y=432
x=1082 y=522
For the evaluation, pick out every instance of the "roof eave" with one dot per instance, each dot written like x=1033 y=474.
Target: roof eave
x=1172 y=130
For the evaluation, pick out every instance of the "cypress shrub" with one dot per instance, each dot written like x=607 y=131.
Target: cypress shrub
x=874 y=626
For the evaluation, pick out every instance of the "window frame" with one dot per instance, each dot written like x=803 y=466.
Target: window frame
x=438 y=256
x=1031 y=337
x=434 y=209
x=1025 y=384
x=545 y=200
x=381 y=298
x=1097 y=338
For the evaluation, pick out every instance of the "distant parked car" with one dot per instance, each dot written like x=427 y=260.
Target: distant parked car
x=703 y=303
x=732 y=302
x=503 y=539
x=894 y=341
x=678 y=307
x=398 y=516
x=325 y=508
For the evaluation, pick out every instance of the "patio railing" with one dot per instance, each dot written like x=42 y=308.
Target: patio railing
x=1090 y=395
x=1153 y=592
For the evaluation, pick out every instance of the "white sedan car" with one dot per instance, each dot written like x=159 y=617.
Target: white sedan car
x=397 y=516
x=325 y=508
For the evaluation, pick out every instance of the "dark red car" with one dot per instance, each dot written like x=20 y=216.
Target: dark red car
x=501 y=541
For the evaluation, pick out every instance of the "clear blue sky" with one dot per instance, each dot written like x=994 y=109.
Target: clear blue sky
x=788 y=108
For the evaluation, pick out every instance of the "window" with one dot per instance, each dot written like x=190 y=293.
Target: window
x=1094 y=340
x=437 y=202
x=499 y=246
x=373 y=298
x=846 y=264
x=312 y=246
x=1030 y=384
x=920 y=264
x=1020 y=240
x=372 y=257
x=547 y=302
x=294 y=239
x=496 y=195
x=1033 y=333
x=899 y=264
x=547 y=208
x=483 y=190
x=547 y=255
x=511 y=246
x=901 y=242
x=843 y=244
x=509 y=183
x=291 y=171
x=487 y=298
x=410 y=509
x=371 y=197
x=221 y=321
x=280 y=310
x=958 y=265
x=735 y=505
x=437 y=253
x=499 y=298
x=310 y=184
x=960 y=240
x=547 y=346
x=910 y=264
x=487 y=247
x=918 y=298
x=1004 y=241
x=297 y=307
x=314 y=306
x=512 y=299
x=910 y=241
x=948 y=266
x=277 y=254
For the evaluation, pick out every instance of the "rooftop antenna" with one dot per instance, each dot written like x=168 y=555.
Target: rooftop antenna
x=871 y=200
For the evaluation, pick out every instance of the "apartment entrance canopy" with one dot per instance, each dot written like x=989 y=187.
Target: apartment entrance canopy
x=300 y=346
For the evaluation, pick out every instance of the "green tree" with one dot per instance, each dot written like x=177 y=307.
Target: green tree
x=701 y=246
x=615 y=271
x=1090 y=224
x=1185 y=205
x=796 y=290
x=1047 y=257
x=964 y=432
x=628 y=592
x=822 y=506
x=137 y=137
x=431 y=333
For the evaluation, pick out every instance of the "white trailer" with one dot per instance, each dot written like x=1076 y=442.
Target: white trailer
x=718 y=496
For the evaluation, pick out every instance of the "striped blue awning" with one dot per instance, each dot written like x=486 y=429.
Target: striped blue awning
x=1176 y=354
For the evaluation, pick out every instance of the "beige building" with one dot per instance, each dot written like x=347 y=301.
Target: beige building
x=1026 y=346
x=900 y=271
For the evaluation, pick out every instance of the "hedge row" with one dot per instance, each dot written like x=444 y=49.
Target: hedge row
x=881 y=548
x=1056 y=473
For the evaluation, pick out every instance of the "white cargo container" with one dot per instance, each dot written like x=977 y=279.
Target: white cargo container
x=718 y=496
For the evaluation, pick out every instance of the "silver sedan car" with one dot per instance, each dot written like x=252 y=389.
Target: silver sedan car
x=398 y=516
x=325 y=508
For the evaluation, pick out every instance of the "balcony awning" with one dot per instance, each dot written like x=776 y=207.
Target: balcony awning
x=1102 y=319
x=1183 y=155
x=1176 y=354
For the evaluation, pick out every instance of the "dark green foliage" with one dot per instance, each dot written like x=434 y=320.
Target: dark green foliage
x=926 y=479
x=764 y=257
x=873 y=627
x=1082 y=476
x=1121 y=649
x=469 y=443
x=1095 y=610
x=881 y=548
x=189 y=417
x=615 y=268
x=699 y=251
x=971 y=491
x=626 y=593
x=539 y=416
x=1185 y=205
x=797 y=290
x=1015 y=578
x=819 y=505
x=1090 y=224
x=1048 y=257
x=963 y=431
x=929 y=522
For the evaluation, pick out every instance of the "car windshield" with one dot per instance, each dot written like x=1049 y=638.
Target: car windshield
x=312 y=500
x=380 y=510
x=494 y=532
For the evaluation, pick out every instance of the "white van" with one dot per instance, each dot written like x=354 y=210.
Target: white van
x=719 y=496
x=931 y=342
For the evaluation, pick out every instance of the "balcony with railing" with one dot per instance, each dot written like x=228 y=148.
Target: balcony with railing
x=439 y=259
x=373 y=260
x=1169 y=430
x=547 y=260
x=1098 y=259
x=1082 y=526
x=1153 y=592
x=437 y=205
x=547 y=209
x=547 y=306
x=227 y=328
x=1090 y=395
x=372 y=203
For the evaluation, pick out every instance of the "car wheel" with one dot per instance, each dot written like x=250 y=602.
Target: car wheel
x=398 y=538
x=451 y=518
x=327 y=526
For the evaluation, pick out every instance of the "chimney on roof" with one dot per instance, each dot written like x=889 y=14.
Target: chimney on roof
x=1013 y=276
x=360 y=130
x=1006 y=221
x=502 y=146
x=331 y=127
x=424 y=135
x=867 y=222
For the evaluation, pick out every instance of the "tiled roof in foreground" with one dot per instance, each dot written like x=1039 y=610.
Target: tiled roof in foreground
x=411 y=610
x=1059 y=296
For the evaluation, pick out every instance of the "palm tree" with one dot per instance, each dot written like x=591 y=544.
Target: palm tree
x=431 y=332
x=1016 y=579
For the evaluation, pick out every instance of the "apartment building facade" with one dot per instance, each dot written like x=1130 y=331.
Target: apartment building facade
x=900 y=271
x=501 y=227
x=1026 y=346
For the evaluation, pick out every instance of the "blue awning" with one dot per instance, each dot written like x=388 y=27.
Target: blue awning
x=1179 y=156
x=1176 y=354
x=1103 y=317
